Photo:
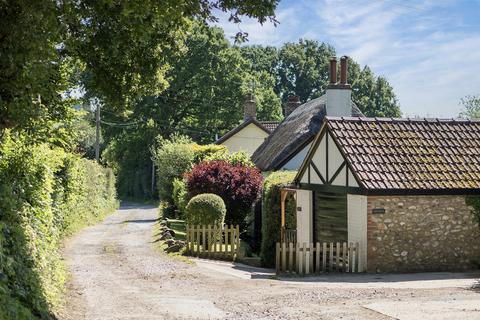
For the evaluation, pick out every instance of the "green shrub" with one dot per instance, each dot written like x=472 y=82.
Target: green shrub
x=240 y=157
x=180 y=195
x=173 y=158
x=201 y=152
x=45 y=194
x=205 y=209
x=271 y=213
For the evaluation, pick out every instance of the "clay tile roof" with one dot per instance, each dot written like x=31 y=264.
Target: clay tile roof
x=419 y=154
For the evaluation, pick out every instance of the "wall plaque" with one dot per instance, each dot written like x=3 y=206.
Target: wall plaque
x=378 y=210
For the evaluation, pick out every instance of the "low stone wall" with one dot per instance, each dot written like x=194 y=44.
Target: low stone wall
x=421 y=233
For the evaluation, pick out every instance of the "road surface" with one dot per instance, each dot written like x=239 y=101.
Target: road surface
x=117 y=274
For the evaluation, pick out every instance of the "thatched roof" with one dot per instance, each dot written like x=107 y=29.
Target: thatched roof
x=293 y=134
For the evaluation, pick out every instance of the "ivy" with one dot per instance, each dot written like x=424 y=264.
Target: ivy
x=474 y=202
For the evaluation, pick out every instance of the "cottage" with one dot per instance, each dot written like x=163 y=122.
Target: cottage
x=250 y=134
x=397 y=187
x=288 y=145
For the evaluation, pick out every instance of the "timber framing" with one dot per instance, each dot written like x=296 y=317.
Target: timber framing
x=327 y=181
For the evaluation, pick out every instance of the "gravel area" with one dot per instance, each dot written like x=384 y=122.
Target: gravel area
x=117 y=274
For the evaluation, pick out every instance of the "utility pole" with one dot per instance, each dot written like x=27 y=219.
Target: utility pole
x=97 y=138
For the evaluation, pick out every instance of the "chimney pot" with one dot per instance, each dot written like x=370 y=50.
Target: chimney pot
x=249 y=108
x=333 y=70
x=343 y=70
x=292 y=103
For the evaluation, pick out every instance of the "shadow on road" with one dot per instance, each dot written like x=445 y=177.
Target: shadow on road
x=140 y=221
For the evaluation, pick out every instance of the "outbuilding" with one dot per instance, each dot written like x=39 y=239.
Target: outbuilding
x=400 y=188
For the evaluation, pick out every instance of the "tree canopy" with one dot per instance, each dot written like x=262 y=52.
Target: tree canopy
x=115 y=50
x=302 y=69
x=471 y=107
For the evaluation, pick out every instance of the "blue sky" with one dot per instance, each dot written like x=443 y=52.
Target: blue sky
x=428 y=50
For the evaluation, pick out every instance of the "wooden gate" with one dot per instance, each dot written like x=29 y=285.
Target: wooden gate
x=215 y=242
x=316 y=258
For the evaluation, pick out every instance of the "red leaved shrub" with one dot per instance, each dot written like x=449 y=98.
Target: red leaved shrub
x=239 y=186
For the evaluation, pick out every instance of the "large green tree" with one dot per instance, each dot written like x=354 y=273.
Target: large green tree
x=207 y=80
x=302 y=69
x=119 y=47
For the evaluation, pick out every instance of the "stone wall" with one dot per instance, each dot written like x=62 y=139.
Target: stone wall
x=421 y=233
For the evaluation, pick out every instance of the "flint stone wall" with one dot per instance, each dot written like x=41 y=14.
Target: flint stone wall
x=421 y=233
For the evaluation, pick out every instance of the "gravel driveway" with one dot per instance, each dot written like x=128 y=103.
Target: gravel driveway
x=116 y=274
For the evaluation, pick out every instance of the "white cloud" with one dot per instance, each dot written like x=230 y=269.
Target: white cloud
x=427 y=51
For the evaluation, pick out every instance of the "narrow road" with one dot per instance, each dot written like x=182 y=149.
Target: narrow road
x=117 y=274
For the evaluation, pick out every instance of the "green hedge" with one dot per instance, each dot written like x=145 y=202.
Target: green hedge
x=205 y=209
x=45 y=194
x=271 y=213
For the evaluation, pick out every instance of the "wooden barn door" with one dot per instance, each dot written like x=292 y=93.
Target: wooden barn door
x=330 y=217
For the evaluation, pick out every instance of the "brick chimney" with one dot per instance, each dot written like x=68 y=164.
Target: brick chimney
x=249 y=107
x=339 y=95
x=292 y=103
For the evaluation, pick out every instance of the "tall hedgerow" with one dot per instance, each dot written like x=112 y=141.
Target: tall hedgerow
x=271 y=213
x=45 y=194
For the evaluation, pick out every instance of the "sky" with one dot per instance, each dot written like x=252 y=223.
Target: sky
x=429 y=50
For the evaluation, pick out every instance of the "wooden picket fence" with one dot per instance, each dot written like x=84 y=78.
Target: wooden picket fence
x=316 y=257
x=215 y=242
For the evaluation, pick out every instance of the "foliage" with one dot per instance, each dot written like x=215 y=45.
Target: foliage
x=130 y=158
x=45 y=194
x=205 y=209
x=173 y=158
x=116 y=50
x=302 y=69
x=474 y=202
x=471 y=105
x=271 y=213
x=238 y=186
x=180 y=195
x=202 y=152
x=235 y=158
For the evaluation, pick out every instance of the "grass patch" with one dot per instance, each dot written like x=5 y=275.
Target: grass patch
x=160 y=245
x=179 y=227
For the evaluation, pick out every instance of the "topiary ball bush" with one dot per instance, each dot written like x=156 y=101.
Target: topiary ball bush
x=205 y=209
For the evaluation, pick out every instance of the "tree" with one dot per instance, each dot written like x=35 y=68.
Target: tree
x=471 y=107
x=303 y=69
x=115 y=50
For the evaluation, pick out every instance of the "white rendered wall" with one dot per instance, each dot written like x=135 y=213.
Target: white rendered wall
x=248 y=139
x=304 y=216
x=357 y=226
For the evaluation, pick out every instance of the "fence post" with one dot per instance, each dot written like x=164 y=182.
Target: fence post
x=237 y=228
x=344 y=260
x=284 y=256
x=317 y=257
x=331 y=258
x=357 y=256
x=297 y=257
x=324 y=256
x=290 y=257
x=277 y=258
